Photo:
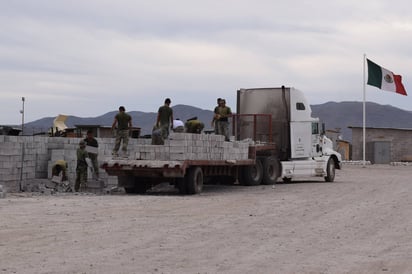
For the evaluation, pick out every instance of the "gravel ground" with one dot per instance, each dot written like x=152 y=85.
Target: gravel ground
x=361 y=223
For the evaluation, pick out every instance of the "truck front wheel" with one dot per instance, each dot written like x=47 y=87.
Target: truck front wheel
x=194 y=180
x=330 y=170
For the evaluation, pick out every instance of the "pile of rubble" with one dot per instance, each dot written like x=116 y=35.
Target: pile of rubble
x=52 y=186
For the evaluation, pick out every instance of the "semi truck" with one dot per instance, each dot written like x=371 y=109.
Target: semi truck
x=274 y=137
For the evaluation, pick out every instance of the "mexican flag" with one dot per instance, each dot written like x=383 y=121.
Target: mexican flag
x=384 y=79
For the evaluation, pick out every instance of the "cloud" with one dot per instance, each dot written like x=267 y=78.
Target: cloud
x=86 y=58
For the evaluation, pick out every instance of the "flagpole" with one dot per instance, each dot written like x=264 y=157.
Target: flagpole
x=364 y=114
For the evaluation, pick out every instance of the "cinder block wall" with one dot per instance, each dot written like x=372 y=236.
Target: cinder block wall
x=24 y=158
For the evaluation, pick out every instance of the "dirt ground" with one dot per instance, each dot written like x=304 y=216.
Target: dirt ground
x=361 y=223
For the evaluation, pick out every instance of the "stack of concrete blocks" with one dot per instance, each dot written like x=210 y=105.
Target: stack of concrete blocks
x=21 y=159
x=25 y=158
x=188 y=146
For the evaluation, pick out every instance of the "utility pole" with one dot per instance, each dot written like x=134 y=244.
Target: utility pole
x=22 y=145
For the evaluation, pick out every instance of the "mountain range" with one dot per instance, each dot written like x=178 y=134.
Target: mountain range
x=336 y=116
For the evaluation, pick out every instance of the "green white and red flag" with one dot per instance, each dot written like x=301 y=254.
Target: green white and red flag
x=384 y=79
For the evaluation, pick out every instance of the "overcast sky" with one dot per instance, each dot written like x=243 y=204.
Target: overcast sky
x=88 y=57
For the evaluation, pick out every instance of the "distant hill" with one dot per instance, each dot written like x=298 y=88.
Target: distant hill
x=334 y=115
x=344 y=114
x=144 y=120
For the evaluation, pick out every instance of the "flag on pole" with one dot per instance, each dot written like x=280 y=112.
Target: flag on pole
x=384 y=79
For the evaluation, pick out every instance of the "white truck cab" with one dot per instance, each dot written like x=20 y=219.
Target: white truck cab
x=303 y=149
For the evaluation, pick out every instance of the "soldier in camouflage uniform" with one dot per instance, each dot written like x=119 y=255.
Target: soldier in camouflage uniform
x=193 y=125
x=124 y=123
x=165 y=118
x=222 y=118
x=81 y=168
x=60 y=167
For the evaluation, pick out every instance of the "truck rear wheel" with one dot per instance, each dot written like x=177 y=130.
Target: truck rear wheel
x=270 y=170
x=330 y=170
x=194 y=180
x=252 y=175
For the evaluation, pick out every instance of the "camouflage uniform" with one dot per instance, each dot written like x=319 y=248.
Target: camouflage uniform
x=215 y=113
x=81 y=168
x=223 y=122
x=164 y=118
x=194 y=126
x=60 y=166
x=124 y=122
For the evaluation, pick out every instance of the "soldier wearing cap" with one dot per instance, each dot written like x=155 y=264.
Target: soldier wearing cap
x=124 y=122
x=81 y=168
x=222 y=117
x=165 y=118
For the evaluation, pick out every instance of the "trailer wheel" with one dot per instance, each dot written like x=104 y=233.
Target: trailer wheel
x=270 y=170
x=330 y=170
x=252 y=175
x=194 y=180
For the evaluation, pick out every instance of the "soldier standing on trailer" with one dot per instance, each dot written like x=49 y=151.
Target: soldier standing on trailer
x=165 y=118
x=124 y=123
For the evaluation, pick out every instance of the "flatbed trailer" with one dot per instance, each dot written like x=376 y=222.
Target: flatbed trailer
x=137 y=176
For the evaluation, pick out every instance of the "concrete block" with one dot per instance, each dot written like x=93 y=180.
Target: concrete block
x=177 y=156
x=178 y=143
x=177 y=149
x=11 y=139
x=177 y=136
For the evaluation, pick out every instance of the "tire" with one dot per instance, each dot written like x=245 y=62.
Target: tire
x=194 y=180
x=270 y=171
x=252 y=175
x=330 y=170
